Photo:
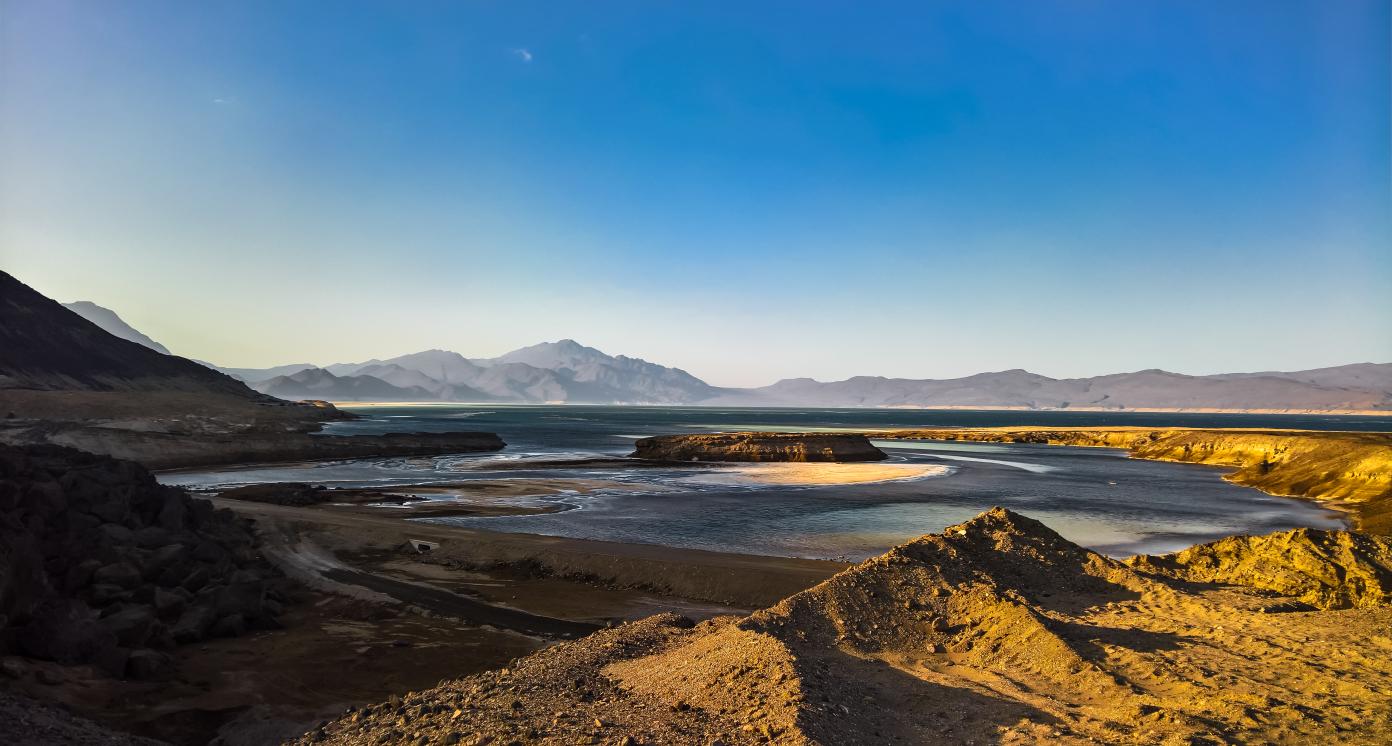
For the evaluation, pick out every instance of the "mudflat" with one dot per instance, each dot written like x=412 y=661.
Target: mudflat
x=732 y=579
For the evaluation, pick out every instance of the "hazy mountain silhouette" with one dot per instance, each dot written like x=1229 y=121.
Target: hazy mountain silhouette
x=113 y=324
x=1321 y=389
x=46 y=347
x=317 y=383
x=256 y=375
x=567 y=371
x=563 y=371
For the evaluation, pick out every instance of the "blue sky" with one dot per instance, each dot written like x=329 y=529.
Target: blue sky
x=751 y=193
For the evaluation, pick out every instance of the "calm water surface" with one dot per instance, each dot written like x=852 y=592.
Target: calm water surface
x=1096 y=497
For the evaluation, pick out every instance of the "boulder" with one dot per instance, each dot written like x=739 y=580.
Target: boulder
x=79 y=575
x=164 y=558
x=193 y=624
x=66 y=631
x=122 y=574
x=168 y=604
x=209 y=552
x=148 y=664
x=173 y=512
x=105 y=594
x=117 y=533
x=196 y=579
x=151 y=537
x=132 y=625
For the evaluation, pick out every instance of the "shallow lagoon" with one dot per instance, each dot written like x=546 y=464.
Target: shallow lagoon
x=1096 y=497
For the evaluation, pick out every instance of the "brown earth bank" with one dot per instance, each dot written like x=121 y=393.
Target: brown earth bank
x=757 y=447
x=178 y=448
x=998 y=630
x=1350 y=471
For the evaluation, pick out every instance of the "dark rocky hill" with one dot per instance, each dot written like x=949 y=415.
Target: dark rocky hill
x=44 y=346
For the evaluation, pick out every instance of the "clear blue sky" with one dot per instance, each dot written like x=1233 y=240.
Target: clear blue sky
x=821 y=189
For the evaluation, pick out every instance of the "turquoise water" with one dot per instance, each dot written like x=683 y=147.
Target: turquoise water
x=1096 y=497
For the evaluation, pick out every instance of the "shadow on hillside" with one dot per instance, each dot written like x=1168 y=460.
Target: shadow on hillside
x=883 y=704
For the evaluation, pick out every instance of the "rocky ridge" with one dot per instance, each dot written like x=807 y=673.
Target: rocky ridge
x=997 y=630
x=757 y=447
x=1324 y=569
x=100 y=564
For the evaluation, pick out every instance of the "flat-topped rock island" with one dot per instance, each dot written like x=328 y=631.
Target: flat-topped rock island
x=794 y=447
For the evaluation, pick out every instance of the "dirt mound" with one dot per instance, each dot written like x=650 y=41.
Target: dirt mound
x=996 y=631
x=101 y=564
x=1325 y=569
x=977 y=593
x=758 y=447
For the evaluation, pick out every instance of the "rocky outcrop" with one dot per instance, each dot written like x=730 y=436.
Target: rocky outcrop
x=997 y=630
x=758 y=447
x=101 y=564
x=1325 y=569
x=1351 y=470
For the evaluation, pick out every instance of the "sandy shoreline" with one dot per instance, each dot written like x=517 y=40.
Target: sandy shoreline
x=815 y=474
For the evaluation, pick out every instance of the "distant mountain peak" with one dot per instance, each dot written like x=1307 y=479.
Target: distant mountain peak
x=46 y=346
x=113 y=324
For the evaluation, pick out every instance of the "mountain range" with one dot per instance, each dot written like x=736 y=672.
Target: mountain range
x=569 y=372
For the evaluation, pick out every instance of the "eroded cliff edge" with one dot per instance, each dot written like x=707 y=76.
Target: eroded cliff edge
x=1350 y=471
x=758 y=447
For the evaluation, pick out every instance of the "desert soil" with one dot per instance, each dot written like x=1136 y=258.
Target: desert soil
x=996 y=631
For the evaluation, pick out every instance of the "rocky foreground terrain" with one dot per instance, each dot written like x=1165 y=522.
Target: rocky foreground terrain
x=757 y=447
x=101 y=565
x=998 y=630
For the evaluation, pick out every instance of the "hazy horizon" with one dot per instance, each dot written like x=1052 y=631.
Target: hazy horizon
x=748 y=194
x=467 y=354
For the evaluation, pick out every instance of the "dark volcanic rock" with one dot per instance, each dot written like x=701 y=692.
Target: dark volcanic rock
x=63 y=630
x=296 y=494
x=758 y=447
x=132 y=626
x=94 y=554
